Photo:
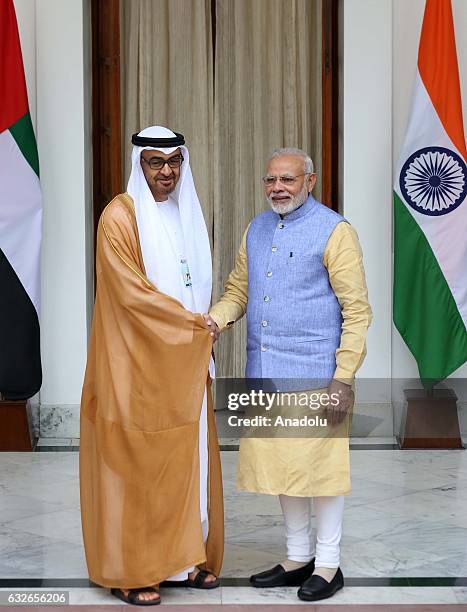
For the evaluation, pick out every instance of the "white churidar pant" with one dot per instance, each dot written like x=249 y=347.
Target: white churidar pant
x=297 y=517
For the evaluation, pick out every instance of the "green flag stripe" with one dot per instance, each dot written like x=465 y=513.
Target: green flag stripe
x=23 y=133
x=425 y=312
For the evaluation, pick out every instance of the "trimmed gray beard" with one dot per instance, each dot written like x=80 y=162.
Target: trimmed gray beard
x=294 y=203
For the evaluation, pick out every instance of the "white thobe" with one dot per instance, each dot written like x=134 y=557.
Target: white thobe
x=173 y=224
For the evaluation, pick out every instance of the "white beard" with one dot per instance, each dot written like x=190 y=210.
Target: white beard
x=294 y=203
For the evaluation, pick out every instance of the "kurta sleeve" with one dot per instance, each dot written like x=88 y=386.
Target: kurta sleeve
x=344 y=261
x=232 y=304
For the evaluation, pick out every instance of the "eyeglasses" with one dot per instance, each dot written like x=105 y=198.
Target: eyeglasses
x=157 y=163
x=285 y=180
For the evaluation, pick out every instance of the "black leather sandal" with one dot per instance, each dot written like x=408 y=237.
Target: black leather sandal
x=199 y=582
x=133 y=596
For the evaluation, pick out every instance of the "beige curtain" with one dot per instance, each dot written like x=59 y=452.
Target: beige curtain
x=166 y=80
x=267 y=95
x=262 y=92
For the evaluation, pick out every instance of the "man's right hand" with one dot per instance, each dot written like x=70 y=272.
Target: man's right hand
x=212 y=326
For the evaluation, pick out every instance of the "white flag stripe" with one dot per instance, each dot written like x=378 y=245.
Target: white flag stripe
x=20 y=216
x=446 y=234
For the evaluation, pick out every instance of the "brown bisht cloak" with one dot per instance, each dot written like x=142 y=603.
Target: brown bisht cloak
x=146 y=373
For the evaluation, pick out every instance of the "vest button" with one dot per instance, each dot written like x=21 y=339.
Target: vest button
x=274 y=249
x=264 y=348
x=269 y=274
x=266 y=298
x=264 y=323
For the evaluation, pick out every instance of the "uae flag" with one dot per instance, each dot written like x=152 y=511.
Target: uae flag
x=430 y=208
x=20 y=223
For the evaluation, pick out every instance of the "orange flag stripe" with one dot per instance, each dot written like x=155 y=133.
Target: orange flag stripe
x=437 y=64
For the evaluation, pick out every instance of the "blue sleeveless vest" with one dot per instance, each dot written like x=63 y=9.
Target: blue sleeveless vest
x=294 y=318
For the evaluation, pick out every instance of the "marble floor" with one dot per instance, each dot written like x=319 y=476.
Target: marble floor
x=405 y=523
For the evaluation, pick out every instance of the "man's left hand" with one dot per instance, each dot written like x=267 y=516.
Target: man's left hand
x=336 y=413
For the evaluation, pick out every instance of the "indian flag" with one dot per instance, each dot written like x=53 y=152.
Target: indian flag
x=430 y=208
x=20 y=223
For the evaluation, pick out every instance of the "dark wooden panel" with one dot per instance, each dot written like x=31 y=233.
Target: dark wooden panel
x=106 y=128
x=330 y=109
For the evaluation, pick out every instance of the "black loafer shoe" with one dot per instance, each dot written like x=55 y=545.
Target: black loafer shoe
x=316 y=587
x=277 y=576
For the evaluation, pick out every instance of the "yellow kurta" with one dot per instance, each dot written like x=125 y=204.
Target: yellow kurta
x=306 y=466
x=145 y=378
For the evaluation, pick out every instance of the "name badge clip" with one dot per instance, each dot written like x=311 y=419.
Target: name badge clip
x=185 y=272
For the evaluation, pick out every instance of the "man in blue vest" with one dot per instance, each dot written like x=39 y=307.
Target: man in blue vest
x=299 y=277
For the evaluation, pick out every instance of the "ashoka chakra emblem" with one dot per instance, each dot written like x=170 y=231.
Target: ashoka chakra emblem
x=433 y=181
